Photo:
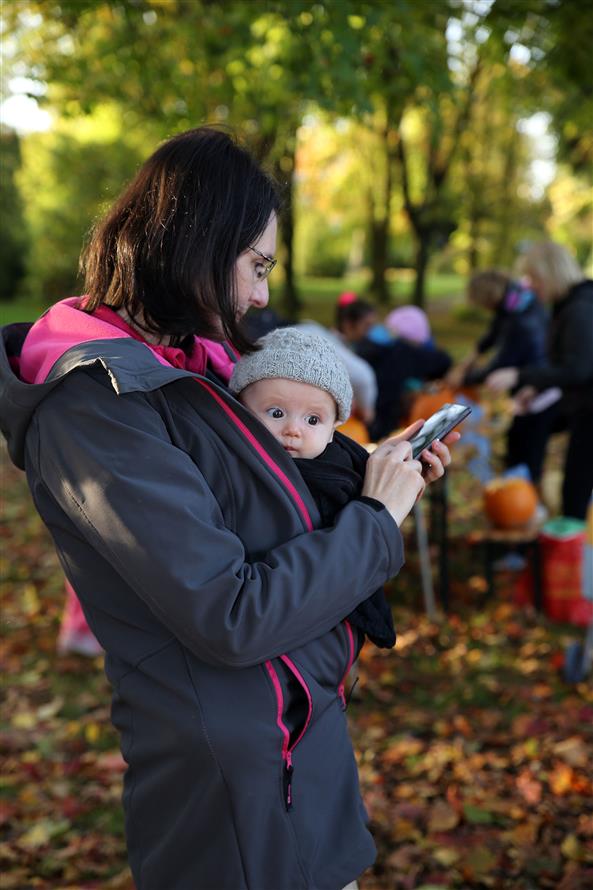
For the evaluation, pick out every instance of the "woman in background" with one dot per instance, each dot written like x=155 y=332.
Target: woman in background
x=557 y=279
x=516 y=337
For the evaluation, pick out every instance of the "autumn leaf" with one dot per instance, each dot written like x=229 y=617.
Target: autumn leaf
x=561 y=779
x=476 y=816
x=42 y=833
x=442 y=817
x=529 y=788
x=572 y=849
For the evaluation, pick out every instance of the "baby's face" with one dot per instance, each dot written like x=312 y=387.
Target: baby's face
x=302 y=417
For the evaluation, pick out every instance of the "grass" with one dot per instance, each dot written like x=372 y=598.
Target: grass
x=21 y=309
x=455 y=328
x=319 y=294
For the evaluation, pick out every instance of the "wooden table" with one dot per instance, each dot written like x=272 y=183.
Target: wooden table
x=526 y=539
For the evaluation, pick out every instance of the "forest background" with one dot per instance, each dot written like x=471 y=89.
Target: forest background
x=414 y=141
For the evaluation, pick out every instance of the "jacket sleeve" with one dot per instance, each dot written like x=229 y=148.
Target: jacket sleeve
x=489 y=338
x=146 y=507
x=573 y=352
x=514 y=340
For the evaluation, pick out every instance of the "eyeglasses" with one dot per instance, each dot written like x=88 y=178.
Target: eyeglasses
x=262 y=270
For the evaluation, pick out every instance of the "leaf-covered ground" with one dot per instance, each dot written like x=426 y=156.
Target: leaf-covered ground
x=475 y=756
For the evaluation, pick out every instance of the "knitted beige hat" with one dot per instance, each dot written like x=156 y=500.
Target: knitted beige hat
x=296 y=355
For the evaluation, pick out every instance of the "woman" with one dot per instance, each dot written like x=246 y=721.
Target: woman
x=556 y=278
x=516 y=337
x=191 y=538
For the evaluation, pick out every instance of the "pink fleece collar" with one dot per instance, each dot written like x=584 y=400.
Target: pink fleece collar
x=64 y=325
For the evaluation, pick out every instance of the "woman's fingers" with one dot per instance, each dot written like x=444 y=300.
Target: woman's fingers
x=394 y=477
x=437 y=457
x=502 y=379
x=405 y=434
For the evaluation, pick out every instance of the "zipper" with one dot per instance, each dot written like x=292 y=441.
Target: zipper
x=262 y=453
x=287 y=748
x=342 y=686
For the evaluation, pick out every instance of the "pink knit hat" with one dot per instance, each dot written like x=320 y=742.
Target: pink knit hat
x=409 y=322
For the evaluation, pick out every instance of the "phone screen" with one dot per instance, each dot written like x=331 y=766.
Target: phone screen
x=438 y=425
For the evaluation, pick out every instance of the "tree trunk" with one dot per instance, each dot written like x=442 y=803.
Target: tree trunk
x=504 y=243
x=290 y=298
x=379 y=234
x=380 y=226
x=422 y=257
x=284 y=172
x=474 y=225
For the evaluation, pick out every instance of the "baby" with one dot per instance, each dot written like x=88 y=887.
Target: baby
x=298 y=387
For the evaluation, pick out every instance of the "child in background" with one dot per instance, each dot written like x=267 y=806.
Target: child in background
x=410 y=323
x=297 y=386
x=411 y=356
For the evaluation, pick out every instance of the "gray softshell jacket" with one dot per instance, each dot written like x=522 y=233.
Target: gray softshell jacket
x=189 y=536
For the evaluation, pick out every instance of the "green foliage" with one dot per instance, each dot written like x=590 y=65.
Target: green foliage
x=13 y=231
x=425 y=124
x=557 y=37
x=67 y=183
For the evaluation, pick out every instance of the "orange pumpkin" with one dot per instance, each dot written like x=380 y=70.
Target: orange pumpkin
x=355 y=429
x=510 y=503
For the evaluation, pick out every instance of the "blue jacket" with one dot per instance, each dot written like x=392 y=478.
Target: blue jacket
x=190 y=538
x=517 y=334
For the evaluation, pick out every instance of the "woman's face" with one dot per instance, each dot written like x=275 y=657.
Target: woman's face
x=537 y=284
x=251 y=285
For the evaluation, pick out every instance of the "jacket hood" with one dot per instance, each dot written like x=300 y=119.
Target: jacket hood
x=34 y=359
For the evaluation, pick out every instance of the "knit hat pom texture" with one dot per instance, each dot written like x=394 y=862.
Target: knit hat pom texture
x=297 y=355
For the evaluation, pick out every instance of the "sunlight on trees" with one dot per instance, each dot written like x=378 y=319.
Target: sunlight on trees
x=399 y=132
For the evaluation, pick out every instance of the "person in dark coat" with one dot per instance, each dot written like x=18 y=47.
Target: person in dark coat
x=556 y=278
x=192 y=540
x=516 y=336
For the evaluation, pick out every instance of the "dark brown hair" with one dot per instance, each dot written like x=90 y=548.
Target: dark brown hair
x=166 y=251
x=351 y=313
x=488 y=288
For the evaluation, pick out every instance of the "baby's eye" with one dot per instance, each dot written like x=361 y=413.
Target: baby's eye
x=275 y=413
x=312 y=420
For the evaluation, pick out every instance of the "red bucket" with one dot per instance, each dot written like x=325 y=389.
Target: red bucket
x=562 y=543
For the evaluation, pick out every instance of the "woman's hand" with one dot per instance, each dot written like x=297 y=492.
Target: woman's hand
x=456 y=375
x=437 y=457
x=502 y=379
x=399 y=490
x=394 y=478
x=523 y=399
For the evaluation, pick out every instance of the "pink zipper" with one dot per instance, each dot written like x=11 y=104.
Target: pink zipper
x=287 y=748
x=341 y=687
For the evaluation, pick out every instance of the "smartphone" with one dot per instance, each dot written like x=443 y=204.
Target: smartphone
x=437 y=426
